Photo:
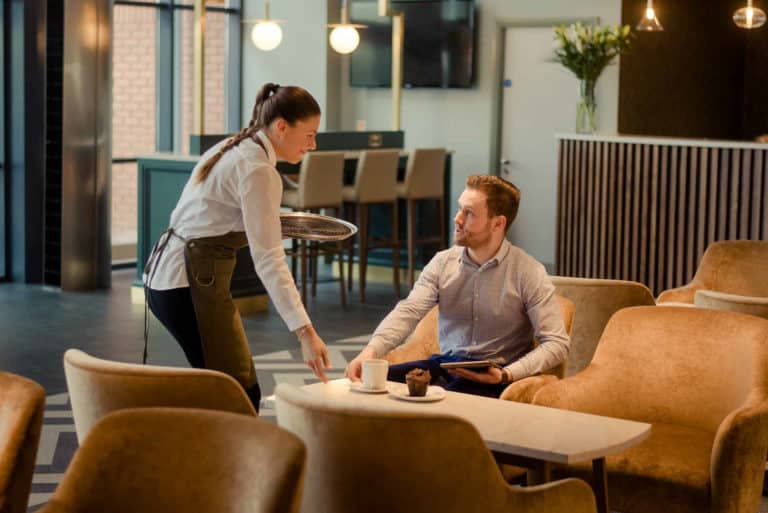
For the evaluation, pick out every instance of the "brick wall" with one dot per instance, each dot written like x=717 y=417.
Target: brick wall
x=133 y=98
x=215 y=56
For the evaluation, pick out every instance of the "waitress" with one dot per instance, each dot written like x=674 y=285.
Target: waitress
x=232 y=200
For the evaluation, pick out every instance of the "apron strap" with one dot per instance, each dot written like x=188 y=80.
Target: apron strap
x=149 y=270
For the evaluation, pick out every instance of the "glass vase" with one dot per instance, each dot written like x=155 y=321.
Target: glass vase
x=586 y=122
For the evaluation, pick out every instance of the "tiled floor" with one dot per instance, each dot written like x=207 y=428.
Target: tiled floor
x=38 y=324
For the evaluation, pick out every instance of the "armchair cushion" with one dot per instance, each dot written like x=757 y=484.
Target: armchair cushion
x=732 y=302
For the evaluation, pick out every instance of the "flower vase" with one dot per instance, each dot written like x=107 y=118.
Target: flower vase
x=586 y=123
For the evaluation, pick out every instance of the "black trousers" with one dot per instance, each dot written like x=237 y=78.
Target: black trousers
x=174 y=309
x=443 y=378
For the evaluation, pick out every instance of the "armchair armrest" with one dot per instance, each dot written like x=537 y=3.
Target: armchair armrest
x=572 y=495
x=682 y=294
x=738 y=458
x=524 y=390
x=732 y=302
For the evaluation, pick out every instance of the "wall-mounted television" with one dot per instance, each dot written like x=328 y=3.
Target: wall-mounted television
x=438 y=46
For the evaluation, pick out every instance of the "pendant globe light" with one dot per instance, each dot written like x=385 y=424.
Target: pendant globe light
x=649 y=22
x=344 y=37
x=266 y=33
x=749 y=17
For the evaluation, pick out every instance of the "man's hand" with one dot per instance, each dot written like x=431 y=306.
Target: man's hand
x=313 y=351
x=355 y=367
x=493 y=376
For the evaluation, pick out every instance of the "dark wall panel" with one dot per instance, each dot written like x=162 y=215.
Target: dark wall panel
x=689 y=81
x=755 y=121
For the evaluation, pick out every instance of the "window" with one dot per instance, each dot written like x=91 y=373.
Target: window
x=152 y=93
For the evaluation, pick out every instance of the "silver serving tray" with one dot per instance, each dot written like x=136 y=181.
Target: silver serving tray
x=307 y=226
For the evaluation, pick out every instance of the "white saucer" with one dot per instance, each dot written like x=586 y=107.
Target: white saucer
x=357 y=386
x=434 y=393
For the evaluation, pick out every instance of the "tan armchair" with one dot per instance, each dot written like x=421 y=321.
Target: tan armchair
x=97 y=387
x=594 y=302
x=701 y=378
x=423 y=342
x=161 y=460
x=22 y=403
x=377 y=460
x=728 y=269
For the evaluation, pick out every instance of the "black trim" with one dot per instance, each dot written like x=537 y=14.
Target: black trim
x=227 y=10
x=123 y=264
x=183 y=7
x=126 y=160
x=142 y=4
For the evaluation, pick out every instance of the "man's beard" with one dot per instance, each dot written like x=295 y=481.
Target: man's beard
x=470 y=240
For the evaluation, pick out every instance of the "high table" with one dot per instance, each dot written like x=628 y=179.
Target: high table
x=519 y=433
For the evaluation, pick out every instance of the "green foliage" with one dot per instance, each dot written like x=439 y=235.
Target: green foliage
x=587 y=49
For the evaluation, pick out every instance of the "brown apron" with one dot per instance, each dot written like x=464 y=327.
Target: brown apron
x=210 y=262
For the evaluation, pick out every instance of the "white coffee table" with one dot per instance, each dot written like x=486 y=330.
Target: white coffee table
x=518 y=433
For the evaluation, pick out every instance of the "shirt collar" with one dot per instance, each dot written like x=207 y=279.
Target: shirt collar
x=271 y=155
x=496 y=259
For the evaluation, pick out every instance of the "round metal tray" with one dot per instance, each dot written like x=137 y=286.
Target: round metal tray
x=307 y=226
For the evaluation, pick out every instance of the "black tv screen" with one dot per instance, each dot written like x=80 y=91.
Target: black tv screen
x=438 y=46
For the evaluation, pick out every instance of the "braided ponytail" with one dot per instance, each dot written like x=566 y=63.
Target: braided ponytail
x=272 y=101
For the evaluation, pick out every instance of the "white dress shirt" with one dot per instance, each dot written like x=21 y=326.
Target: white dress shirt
x=242 y=193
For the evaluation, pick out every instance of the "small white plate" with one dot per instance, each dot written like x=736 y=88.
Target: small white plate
x=357 y=386
x=434 y=393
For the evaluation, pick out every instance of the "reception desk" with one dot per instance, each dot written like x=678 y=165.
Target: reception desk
x=646 y=208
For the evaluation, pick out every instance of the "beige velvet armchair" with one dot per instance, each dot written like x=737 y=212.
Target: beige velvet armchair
x=731 y=276
x=594 y=301
x=701 y=378
x=22 y=403
x=423 y=342
x=162 y=460
x=97 y=387
x=376 y=460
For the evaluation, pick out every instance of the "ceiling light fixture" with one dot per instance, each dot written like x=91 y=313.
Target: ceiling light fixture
x=749 y=17
x=266 y=33
x=344 y=37
x=649 y=22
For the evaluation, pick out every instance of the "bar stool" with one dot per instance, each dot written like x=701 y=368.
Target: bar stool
x=320 y=182
x=375 y=182
x=424 y=180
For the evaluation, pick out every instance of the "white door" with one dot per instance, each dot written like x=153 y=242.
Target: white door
x=540 y=98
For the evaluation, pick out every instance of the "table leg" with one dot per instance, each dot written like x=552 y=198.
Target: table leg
x=541 y=473
x=600 y=486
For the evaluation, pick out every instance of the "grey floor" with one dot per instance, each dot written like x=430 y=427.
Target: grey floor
x=38 y=324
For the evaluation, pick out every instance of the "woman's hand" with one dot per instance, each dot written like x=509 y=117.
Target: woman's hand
x=314 y=351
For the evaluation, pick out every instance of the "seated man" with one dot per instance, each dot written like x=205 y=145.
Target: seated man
x=494 y=298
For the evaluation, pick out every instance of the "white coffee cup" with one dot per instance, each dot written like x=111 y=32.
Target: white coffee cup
x=375 y=374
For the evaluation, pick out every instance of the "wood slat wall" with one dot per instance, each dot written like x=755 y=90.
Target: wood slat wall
x=647 y=212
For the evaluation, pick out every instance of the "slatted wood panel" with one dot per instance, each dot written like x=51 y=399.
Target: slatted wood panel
x=647 y=212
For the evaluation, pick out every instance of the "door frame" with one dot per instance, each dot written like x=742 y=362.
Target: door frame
x=502 y=24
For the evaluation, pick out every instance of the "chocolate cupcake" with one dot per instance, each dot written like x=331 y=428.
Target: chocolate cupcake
x=418 y=382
